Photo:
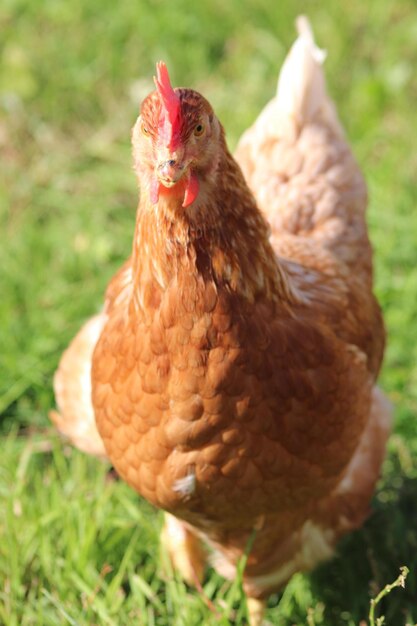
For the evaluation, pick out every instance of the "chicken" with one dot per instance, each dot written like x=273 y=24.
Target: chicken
x=233 y=367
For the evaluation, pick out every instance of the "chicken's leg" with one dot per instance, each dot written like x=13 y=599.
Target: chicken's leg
x=256 y=611
x=184 y=549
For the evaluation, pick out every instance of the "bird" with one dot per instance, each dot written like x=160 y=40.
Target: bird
x=231 y=376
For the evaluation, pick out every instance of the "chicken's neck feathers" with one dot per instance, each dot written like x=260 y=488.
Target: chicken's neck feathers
x=221 y=237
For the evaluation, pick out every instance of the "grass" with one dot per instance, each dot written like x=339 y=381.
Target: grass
x=77 y=547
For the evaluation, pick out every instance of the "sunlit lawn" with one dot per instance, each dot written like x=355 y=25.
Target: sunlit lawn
x=76 y=545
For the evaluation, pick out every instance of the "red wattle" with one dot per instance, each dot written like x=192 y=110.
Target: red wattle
x=191 y=190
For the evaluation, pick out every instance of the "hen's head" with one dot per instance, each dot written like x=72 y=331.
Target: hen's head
x=176 y=141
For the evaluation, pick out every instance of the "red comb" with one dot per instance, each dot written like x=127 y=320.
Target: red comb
x=170 y=104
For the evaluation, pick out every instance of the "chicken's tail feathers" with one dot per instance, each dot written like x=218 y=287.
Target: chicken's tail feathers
x=301 y=84
x=301 y=92
x=301 y=96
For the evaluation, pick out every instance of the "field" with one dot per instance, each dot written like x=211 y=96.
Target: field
x=77 y=546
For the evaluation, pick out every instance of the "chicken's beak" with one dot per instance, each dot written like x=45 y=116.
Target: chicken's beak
x=169 y=172
x=171 y=169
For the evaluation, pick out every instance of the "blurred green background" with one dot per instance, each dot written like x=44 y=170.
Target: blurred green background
x=72 y=75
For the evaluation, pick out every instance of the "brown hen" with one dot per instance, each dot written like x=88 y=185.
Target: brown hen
x=233 y=370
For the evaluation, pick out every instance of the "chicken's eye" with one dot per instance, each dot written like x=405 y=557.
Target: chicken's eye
x=199 y=130
x=145 y=131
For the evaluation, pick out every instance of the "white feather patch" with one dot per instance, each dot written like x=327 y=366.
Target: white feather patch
x=185 y=486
